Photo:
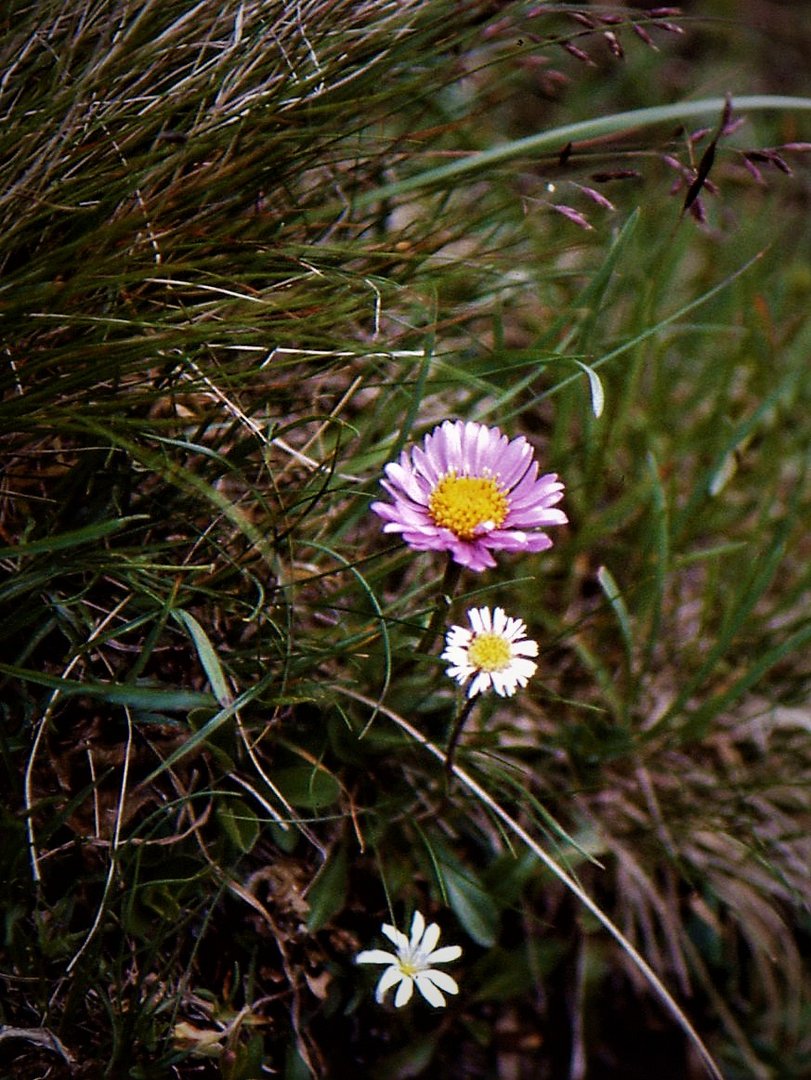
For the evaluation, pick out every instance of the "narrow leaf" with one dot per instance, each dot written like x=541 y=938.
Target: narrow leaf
x=239 y=823
x=90 y=534
x=208 y=657
x=612 y=593
x=596 y=387
x=328 y=892
x=137 y=697
x=472 y=906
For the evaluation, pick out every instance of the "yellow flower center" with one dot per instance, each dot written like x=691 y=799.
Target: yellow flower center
x=489 y=652
x=464 y=503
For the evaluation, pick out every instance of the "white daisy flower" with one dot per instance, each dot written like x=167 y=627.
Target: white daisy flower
x=493 y=653
x=411 y=964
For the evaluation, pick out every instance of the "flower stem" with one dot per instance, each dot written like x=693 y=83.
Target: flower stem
x=450 y=580
x=450 y=750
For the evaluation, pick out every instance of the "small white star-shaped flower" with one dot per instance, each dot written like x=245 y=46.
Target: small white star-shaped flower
x=412 y=964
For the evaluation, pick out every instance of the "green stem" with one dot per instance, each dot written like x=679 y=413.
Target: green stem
x=453 y=571
x=450 y=750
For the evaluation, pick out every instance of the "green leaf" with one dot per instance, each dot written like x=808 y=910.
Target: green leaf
x=411 y=1061
x=239 y=823
x=596 y=387
x=90 y=534
x=247 y=1061
x=508 y=875
x=328 y=893
x=660 y=545
x=146 y=697
x=295 y=1068
x=764 y=569
x=504 y=975
x=473 y=907
x=307 y=787
x=211 y=726
x=608 y=584
x=162 y=900
x=208 y=657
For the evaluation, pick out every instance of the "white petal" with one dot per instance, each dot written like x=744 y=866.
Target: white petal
x=523 y=669
x=428 y=990
x=515 y=628
x=404 y=991
x=443 y=955
x=460 y=674
x=417 y=928
x=389 y=978
x=525 y=648
x=395 y=936
x=429 y=939
x=479 y=684
x=442 y=980
x=503 y=683
x=458 y=638
x=375 y=956
x=456 y=656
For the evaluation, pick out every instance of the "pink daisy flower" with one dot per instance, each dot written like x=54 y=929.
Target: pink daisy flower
x=470 y=490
